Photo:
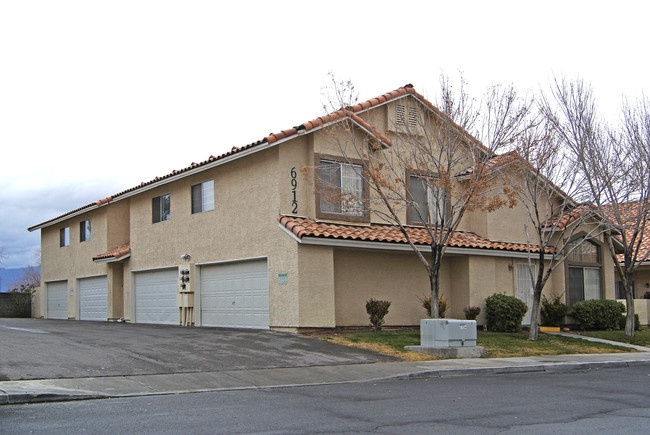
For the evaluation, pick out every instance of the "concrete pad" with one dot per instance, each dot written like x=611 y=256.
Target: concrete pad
x=450 y=352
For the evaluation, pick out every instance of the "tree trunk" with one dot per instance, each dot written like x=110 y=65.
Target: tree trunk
x=629 y=301
x=537 y=298
x=434 y=281
x=535 y=313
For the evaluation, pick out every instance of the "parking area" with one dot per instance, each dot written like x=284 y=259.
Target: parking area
x=48 y=349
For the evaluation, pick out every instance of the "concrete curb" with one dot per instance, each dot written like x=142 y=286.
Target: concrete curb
x=58 y=390
x=20 y=399
x=548 y=368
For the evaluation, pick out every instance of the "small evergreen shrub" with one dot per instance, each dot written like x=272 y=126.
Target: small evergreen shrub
x=646 y=295
x=553 y=310
x=426 y=304
x=623 y=320
x=597 y=314
x=377 y=310
x=471 y=313
x=504 y=313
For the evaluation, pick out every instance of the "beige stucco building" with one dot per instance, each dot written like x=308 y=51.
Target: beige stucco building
x=245 y=239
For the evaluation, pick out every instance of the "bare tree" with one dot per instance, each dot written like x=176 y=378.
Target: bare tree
x=556 y=225
x=29 y=280
x=436 y=166
x=614 y=166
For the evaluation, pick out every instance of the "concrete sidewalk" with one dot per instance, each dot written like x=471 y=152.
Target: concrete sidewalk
x=32 y=391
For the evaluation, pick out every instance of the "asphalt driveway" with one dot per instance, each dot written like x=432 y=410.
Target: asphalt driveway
x=48 y=349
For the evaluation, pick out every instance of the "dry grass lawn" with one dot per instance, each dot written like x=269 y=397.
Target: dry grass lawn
x=497 y=345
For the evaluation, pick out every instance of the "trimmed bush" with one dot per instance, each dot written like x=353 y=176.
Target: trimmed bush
x=553 y=310
x=377 y=310
x=597 y=314
x=504 y=313
x=426 y=304
x=623 y=320
x=471 y=313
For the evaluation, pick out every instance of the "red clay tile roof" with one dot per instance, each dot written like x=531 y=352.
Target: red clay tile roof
x=350 y=112
x=116 y=253
x=628 y=213
x=494 y=161
x=570 y=216
x=302 y=227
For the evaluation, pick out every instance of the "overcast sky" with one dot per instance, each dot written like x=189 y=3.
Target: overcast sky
x=96 y=97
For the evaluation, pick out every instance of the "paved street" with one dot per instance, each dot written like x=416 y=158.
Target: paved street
x=609 y=400
x=50 y=349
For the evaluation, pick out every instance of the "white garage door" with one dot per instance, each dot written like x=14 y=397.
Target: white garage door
x=155 y=297
x=93 y=298
x=57 y=300
x=235 y=295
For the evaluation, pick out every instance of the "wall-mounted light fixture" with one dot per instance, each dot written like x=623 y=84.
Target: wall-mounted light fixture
x=185 y=257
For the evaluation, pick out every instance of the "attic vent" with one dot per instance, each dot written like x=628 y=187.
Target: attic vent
x=401 y=115
x=413 y=117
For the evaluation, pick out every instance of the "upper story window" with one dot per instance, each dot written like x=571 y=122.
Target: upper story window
x=341 y=192
x=84 y=230
x=430 y=202
x=64 y=236
x=203 y=197
x=160 y=208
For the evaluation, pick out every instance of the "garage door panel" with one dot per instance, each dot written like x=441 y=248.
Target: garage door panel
x=93 y=298
x=155 y=297
x=57 y=300
x=235 y=295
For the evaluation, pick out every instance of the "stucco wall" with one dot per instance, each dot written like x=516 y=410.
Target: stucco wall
x=242 y=225
x=362 y=275
x=75 y=260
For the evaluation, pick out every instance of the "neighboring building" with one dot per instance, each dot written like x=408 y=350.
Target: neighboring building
x=641 y=278
x=254 y=245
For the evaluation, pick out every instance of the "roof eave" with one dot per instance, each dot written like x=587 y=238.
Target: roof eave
x=112 y=259
x=388 y=246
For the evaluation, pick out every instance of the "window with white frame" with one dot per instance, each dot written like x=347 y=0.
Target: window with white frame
x=429 y=201
x=64 y=237
x=526 y=274
x=203 y=197
x=160 y=208
x=84 y=230
x=341 y=189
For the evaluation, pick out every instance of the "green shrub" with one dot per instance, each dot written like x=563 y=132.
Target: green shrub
x=623 y=319
x=646 y=295
x=597 y=314
x=553 y=310
x=504 y=313
x=377 y=310
x=471 y=313
x=426 y=304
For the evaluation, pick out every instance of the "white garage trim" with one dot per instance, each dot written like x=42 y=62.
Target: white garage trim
x=154 y=296
x=56 y=300
x=234 y=294
x=92 y=297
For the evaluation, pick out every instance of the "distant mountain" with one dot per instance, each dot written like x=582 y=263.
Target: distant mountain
x=9 y=276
